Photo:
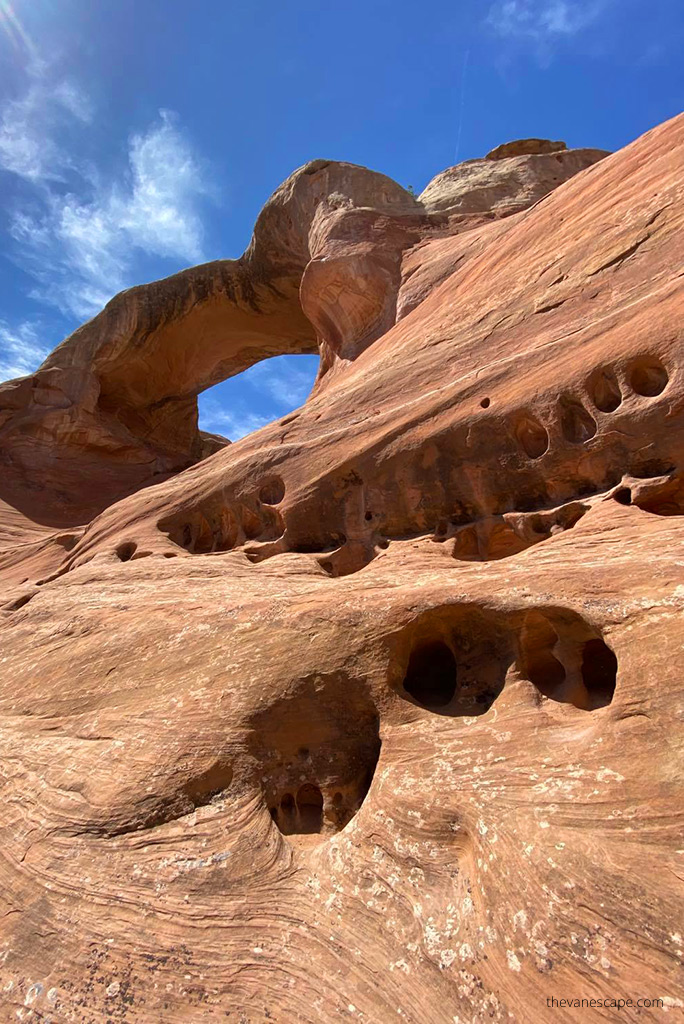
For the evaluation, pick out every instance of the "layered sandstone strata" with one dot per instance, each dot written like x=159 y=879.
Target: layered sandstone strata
x=370 y=715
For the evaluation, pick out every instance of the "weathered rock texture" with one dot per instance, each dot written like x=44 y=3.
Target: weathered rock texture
x=372 y=715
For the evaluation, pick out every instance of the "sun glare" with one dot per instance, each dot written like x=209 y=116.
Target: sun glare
x=12 y=26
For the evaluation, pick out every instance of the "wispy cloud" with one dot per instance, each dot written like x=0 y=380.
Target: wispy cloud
x=258 y=396
x=542 y=23
x=21 y=349
x=234 y=423
x=11 y=25
x=30 y=125
x=79 y=232
x=281 y=381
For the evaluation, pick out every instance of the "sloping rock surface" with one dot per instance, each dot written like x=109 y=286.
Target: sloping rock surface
x=371 y=715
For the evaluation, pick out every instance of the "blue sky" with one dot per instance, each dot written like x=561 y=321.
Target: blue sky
x=143 y=136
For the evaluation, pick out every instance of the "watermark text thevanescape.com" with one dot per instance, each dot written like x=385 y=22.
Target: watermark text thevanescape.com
x=611 y=1002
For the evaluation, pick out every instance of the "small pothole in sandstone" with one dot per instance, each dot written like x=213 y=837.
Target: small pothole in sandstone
x=455 y=661
x=577 y=425
x=605 y=390
x=532 y=436
x=623 y=496
x=126 y=551
x=648 y=377
x=315 y=753
x=565 y=661
x=272 y=491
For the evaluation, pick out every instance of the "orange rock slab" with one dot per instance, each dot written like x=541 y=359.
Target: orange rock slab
x=373 y=714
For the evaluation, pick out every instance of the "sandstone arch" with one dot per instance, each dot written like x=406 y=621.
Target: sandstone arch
x=321 y=274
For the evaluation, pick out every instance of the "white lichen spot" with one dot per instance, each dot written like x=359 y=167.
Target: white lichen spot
x=33 y=992
x=606 y=774
x=400 y=965
x=513 y=962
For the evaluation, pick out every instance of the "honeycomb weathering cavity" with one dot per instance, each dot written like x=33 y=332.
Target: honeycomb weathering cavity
x=371 y=715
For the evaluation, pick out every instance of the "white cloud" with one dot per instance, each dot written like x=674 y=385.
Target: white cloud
x=274 y=387
x=285 y=384
x=542 y=22
x=80 y=232
x=21 y=351
x=29 y=124
x=233 y=424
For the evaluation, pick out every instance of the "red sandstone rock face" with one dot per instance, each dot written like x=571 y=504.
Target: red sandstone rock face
x=525 y=147
x=369 y=716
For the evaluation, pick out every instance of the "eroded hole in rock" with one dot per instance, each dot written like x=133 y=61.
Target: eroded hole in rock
x=251 y=524
x=663 y=505
x=287 y=804
x=648 y=377
x=605 y=391
x=272 y=492
x=348 y=559
x=623 y=495
x=217 y=528
x=532 y=436
x=485 y=403
x=577 y=424
x=662 y=496
x=561 y=657
x=455 y=660
x=310 y=807
x=540 y=665
x=315 y=753
x=201 y=533
x=497 y=537
x=599 y=672
x=126 y=551
x=431 y=677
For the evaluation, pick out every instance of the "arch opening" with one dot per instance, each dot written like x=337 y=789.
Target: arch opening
x=268 y=391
